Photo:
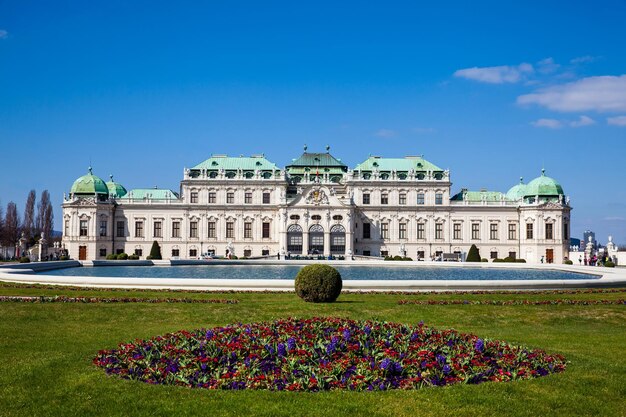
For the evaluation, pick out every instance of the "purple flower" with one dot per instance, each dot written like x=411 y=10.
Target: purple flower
x=291 y=343
x=479 y=346
x=346 y=334
x=281 y=350
x=385 y=364
x=446 y=369
x=209 y=334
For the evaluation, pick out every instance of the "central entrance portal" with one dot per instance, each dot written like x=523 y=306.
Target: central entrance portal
x=316 y=239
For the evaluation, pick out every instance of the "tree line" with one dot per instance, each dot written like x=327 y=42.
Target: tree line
x=38 y=218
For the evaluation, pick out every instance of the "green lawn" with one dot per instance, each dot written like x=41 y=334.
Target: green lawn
x=46 y=352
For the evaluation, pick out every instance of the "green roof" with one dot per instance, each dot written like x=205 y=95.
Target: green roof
x=89 y=184
x=478 y=196
x=151 y=193
x=315 y=161
x=116 y=189
x=543 y=186
x=517 y=191
x=252 y=163
x=415 y=163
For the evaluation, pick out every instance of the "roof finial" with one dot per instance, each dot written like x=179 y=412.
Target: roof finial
x=111 y=177
x=305 y=147
x=327 y=148
x=521 y=180
x=543 y=172
x=90 y=170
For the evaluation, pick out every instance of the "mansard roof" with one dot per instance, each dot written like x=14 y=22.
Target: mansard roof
x=245 y=163
x=151 y=193
x=415 y=163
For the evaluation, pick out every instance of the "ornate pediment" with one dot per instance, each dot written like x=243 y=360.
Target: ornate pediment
x=317 y=197
x=550 y=205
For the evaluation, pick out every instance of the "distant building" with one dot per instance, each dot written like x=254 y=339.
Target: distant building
x=587 y=234
x=248 y=206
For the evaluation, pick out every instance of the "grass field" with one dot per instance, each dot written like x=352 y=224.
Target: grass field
x=46 y=351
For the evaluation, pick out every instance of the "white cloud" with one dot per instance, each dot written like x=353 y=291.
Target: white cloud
x=549 y=123
x=617 y=120
x=582 y=59
x=582 y=121
x=603 y=94
x=496 y=75
x=547 y=66
x=3 y=34
x=614 y=219
x=385 y=133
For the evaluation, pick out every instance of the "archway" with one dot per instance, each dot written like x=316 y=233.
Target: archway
x=316 y=239
x=294 y=239
x=337 y=239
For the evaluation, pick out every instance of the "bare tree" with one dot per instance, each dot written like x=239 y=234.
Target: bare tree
x=43 y=222
x=29 y=215
x=11 y=225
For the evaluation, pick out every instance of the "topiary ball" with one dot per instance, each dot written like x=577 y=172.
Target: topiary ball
x=318 y=283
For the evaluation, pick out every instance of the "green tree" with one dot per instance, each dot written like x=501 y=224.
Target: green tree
x=155 y=252
x=473 y=255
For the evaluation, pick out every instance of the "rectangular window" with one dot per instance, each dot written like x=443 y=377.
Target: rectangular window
x=402 y=199
x=158 y=230
x=193 y=253
x=549 y=234
x=366 y=198
x=247 y=253
x=230 y=198
x=384 y=230
x=493 y=231
x=512 y=231
x=366 y=231
x=475 y=231
x=212 y=233
x=83 y=227
x=438 y=230
x=402 y=230
x=120 y=228
x=565 y=231
x=266 y=252
x=212 y=198
x=139 y=252
x=230 y=230
x=175 y=229
x=266 y=230
x=438 y=198
x=193 y=229
x=529 y=231
x=175 y=253
x=247 y=230
x=420 y=199
x=384 y=199
x=456 y=231
x=420 y=255
x=266 y=198
x=493 y=255
x=194 y=196
x=103 y=252
x=420 y=230
x=66 y=232
x=512 y=255
x=248 y=198
x=138 y=229
x=103 y=227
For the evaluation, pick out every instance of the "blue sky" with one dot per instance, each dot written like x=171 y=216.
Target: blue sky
x=490 y=90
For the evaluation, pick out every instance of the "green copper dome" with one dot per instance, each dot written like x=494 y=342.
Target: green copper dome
x=543 y=186
x=517 y=191
x=89 y=184
x=116 y=189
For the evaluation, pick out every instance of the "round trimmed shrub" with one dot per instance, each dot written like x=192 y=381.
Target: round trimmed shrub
x=111 y=257
x=133 y=257
x=123 y=256
x=484 y=260
x=568 y=262
x=318 y=283
x=521 y=261
x=498 y=260
x=609 y=264
x=24 y=260
x=64 y=258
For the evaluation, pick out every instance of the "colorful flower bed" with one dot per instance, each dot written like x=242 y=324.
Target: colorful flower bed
x=559 y=301
x=88 y=300
x=323 y=354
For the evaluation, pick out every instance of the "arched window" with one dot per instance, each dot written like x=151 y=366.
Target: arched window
x=294 y=239
x=337 y=239
x=316 y=217
x=294 y=217
x=316 y=239
x=338 y=217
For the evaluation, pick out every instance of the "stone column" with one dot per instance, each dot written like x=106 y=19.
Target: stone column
x=305 y=241
x=326 y=243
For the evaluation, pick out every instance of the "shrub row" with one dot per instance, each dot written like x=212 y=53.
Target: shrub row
x=398 y=258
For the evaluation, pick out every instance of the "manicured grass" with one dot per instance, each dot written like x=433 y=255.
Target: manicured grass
x=46 y=352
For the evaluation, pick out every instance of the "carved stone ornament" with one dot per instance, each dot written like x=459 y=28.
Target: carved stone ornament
x=317 y=197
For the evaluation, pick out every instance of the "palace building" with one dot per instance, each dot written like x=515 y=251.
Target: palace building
x=316 y=205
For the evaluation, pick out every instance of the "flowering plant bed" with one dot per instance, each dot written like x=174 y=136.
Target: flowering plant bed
x=515 y=302
x=323 y=354
x=90 y=300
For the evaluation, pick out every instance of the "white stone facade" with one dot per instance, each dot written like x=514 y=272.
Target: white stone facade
x=350 y=214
